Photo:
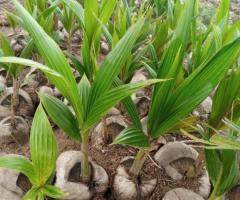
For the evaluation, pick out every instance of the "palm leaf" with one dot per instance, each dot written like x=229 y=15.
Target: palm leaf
x=223 y=169
x=19 y=164
x=133 y=137
x=90 y=13
x=172 y=63
x=31 y=194
x=111 y=98
x=61 y=115
x=43 y=147
x=53 y=192
x=130 y=107
x=113 y=63
x=194 y=89
x=54 y=58
x=84 y=90
x=77 y=9
x=224 y=97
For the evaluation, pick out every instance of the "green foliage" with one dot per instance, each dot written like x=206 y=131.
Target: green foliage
x=61 y=115
x=223 y=170
x=101 y=97
x=185 y=58
x=133 y=137
x=44 y=151
x=223 y=101
x=173 y=100
x=8 y=51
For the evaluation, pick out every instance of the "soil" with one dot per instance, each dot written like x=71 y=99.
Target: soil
x=24 y=183
x=234 y=194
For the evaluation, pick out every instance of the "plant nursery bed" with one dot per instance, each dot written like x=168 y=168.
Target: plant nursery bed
x=119 y=100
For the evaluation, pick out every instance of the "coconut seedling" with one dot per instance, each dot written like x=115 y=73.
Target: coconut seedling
x=41 y=10
x=89 y=101
x=174 y=100
x=221 y=136
x=121 y=21
x=221 y=144
x=221 y=162
x=15 y=92
x=90 y=17
x=68 y=20
x=40 y=171
x=90 y=48
x=207 y=40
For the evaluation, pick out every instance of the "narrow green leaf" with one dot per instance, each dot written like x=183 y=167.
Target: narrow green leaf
x=43 y=147
x=52 y=75
x=222 y=14
x=90 y=13
x=46 y=13
x=232 y=125
x=111 y=98
x=107 y=10
x=225 y=142
x=77 y=9
x=230 y=176
x=113 y=63
x=27 y=51
x=40 y=196
x=223 y=169
x=224 y=97
x=5 y=45
x=84 y=90
x=130 y=107
x=195 y=89
x=53 y=192
x=31 y=194
x=7 y=51
x=213 y=164
x=61 y=115
x=20 y=164
x=132 y=137
x=77 y=64
x=54 y=58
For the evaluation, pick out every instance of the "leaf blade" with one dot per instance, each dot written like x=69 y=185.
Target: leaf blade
x=61 y=115
x=132 y=137
x=43 y=147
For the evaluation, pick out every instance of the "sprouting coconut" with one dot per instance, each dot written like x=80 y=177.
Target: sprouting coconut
x=13 y=184
x=108 y=128
x=127 y=186
x=68 y=177
x=20 y=134
x=176 y=158
x=22 y=97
